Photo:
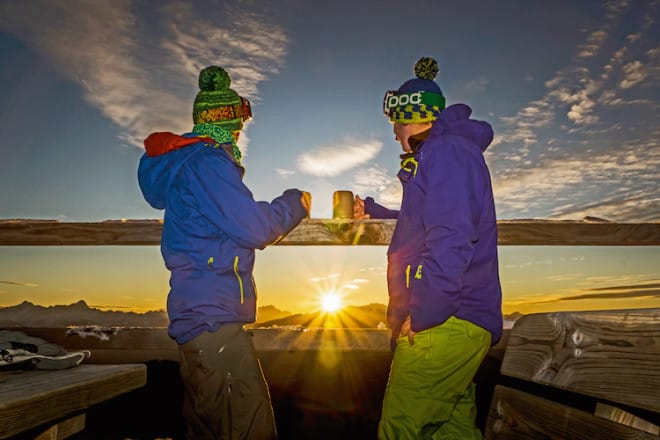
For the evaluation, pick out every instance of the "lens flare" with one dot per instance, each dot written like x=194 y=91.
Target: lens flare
x=330 y=302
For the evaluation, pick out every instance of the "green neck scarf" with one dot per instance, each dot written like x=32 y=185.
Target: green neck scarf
x=221 y=135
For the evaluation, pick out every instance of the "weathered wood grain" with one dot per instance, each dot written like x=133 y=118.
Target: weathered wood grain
x=136 y=345
x=156 y=340
x=64 y=429
x=518 y=415
x=35 y=398
x=618 y=415
x=21 y=232
x=612 y=355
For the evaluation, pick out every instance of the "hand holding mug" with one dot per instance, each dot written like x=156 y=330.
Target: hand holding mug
x=358 y=208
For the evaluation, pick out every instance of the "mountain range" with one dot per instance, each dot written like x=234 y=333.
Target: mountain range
x=27 y=314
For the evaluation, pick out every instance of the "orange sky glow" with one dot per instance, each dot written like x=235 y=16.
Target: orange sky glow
x=296 y=278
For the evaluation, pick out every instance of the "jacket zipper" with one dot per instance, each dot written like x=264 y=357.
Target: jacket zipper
x=238 y=277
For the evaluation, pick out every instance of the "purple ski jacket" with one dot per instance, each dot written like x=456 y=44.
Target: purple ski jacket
x=442 y=259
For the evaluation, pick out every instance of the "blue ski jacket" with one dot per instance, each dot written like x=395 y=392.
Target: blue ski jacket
x=211 y=228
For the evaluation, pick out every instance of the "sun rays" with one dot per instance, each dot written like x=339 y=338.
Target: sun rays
x=331 y=302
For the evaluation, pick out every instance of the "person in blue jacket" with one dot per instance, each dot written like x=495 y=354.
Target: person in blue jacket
x=211 y=228
x=444 y=305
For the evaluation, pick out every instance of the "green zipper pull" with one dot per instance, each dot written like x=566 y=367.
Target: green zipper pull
x=238 y=277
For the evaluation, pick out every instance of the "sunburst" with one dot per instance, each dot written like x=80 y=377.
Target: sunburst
x=331 y=302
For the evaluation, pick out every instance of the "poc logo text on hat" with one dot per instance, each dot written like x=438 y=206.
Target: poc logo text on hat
x=404 y=99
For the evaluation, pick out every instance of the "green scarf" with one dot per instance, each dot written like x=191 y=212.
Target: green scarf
x=221 y=135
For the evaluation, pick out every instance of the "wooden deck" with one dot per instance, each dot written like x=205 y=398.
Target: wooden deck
x=53 y=402
x=601 y=368
x=603 y=363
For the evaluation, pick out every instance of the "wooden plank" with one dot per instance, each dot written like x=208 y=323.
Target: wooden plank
x=63 y=429
x=606 y=354
x=329 y=232
x=137 y=345
x=618 y=415
x=156 y=340
x=34 y=398
x=577 y=233
x=517 y=415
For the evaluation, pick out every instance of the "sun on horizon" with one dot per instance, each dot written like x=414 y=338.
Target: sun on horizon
x=331 y=302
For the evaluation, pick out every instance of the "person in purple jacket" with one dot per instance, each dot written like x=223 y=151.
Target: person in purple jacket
x=211 y=228
x=444 y=290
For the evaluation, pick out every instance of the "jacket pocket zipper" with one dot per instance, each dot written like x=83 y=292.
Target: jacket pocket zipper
x=238 y=277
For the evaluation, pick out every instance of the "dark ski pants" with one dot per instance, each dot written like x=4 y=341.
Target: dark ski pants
x=225 y=393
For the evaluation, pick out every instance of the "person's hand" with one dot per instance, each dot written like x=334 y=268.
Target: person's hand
x=358 y=208
x=406 y=331
x=306 y=201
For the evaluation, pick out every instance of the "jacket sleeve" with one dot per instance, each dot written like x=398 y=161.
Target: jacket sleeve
x=228 y=204
x=450 y=214
x=378 y=211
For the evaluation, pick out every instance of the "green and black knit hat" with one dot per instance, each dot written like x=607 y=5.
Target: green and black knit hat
x=216 y=103
x=417 y=100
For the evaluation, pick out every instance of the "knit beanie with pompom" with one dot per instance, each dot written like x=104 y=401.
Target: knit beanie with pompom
x=417 y=100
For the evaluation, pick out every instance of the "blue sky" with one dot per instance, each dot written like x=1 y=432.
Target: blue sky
x=572 y=90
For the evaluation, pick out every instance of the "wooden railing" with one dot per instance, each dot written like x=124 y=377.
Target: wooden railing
x=330 y=232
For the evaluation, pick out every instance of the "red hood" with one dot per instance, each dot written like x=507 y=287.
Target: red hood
x=164 y=142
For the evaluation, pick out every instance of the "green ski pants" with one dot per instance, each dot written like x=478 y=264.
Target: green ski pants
x=430 y=393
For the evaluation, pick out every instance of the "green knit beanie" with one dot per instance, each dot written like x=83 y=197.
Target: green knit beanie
x=216 y=103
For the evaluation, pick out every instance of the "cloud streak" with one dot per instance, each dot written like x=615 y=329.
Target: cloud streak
x=332 y=160
x=644 y=289
x=380 y=184
x=18 y=283
x=608 y=296
x=138 y=82
x=566 y=155
x=563 y=187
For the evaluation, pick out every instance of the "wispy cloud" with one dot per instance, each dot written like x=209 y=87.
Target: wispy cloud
x=617 y=292
x=635 y=289
x=331 y=160
x=593 y=44
x=566 y=277
x=143 y=80
x=283 y=173
x=629 y=287
x=563 y=187
x=570 y=147
x=18 y=283
x=634 y=73
x=380 y=184
x=606 y=296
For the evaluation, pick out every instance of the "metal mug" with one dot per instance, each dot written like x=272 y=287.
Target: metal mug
x=342 y=204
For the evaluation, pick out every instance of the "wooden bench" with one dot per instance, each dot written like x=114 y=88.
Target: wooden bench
x=51 y=404
x=580 y=375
